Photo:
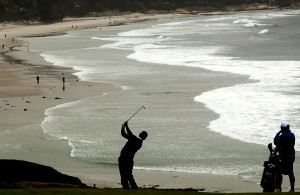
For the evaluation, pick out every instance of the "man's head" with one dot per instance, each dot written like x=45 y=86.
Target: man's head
x=285 y=126
x=143 y=135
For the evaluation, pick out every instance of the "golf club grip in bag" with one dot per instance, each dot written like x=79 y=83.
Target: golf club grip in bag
x=268 y=180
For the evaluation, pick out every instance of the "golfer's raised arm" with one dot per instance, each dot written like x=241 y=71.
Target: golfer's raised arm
x=123 y=133
x=129 y=133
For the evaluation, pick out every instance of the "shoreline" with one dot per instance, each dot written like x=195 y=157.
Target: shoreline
x=53 y=89
x=19 y=64
x=23 y=101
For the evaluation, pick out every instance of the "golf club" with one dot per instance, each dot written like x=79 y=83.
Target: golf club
x=136 y=112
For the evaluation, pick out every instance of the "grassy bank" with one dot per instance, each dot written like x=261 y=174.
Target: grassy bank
x=96 y=192
x=116 y=192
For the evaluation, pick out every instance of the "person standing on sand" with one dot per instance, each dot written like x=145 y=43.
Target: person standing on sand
x=285 y=142
x=37 y=79
x=127 y=154
x=63 y=83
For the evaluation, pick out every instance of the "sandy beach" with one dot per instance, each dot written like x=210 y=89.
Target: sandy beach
x=22 y=98
x=23 y=102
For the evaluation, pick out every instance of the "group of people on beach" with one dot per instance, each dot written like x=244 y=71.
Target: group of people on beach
x=284 y=141
x=63 y=80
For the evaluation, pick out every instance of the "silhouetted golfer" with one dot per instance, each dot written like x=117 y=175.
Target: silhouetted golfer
x=127 y=154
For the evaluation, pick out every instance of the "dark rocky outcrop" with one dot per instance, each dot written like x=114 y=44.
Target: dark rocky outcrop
x=23 y=174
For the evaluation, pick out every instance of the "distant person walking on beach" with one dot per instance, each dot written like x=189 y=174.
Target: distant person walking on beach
x=63 y=83
x=127 y=154
x=37 y=79
x=285 y=142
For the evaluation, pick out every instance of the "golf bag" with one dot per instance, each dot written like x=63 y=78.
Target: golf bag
x=268 y=180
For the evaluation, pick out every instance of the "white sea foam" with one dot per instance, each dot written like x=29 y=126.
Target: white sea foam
x=261 y=104
x=246 y=104
x=54 y=59
x=175 y=23
x=222 y=18
x=83 y=67
x=72 y=154
x=249 y=22
x=282 y=14
x=242 y=171
x=263 y=31
x=126 y=43
x=126 y=87
x=202 y=170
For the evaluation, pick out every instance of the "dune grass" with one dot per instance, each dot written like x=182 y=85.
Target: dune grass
x=114 y=192
x=93 y=192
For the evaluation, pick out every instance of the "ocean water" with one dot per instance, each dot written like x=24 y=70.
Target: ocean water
x=159 y=64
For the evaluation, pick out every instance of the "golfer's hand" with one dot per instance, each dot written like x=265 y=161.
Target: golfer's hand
x=126 y=123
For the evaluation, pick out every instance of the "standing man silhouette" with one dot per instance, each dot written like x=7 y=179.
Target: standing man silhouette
x=285 y=142
x=127 y=154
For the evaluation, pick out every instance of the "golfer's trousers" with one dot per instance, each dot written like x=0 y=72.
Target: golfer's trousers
x=125 y=168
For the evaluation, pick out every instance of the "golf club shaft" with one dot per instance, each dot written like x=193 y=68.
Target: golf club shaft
x=136 y=112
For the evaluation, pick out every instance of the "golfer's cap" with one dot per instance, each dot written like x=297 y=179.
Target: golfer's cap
x=284 y=124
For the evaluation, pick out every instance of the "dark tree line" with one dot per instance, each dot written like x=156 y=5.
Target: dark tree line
x=55 y=10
